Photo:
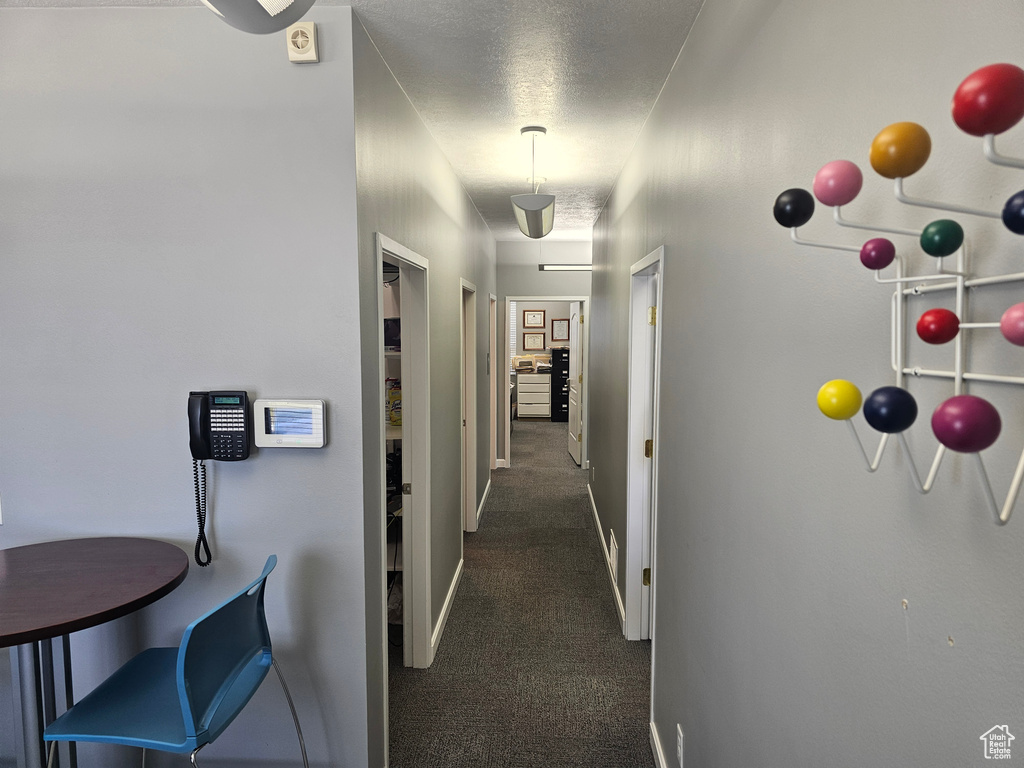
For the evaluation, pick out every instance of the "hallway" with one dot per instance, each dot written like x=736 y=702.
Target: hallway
x=533 y=669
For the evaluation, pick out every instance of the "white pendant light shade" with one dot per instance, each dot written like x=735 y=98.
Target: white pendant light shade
x=535 y=214
x=261 y=17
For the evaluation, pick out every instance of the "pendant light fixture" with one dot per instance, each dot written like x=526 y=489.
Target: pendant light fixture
x=535 y=214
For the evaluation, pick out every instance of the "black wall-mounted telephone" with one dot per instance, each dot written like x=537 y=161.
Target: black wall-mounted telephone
x=220 y=428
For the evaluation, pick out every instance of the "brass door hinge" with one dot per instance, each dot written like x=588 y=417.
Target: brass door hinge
x=648 y=449
x=652 y=315
x=647 y=577
x=581 y=319
x=579 y=438
x=581 y=378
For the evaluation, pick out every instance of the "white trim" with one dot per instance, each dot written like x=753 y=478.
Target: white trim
x=435 y=638
x=492 y=379
x=656 y=748
x=654 y=256
x=480 y=509
x=608 y=562
x=468 y=400
x=395 y=248
x=500 y=463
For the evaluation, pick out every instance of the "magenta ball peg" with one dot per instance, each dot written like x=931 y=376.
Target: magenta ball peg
x=877 y=253
x=837 y=183
x=1012 y=325
x=966 y=424
x=937 y=326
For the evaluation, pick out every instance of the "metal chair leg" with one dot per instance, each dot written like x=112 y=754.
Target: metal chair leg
x=295 y=717
x=53 y=751
x=192 y=757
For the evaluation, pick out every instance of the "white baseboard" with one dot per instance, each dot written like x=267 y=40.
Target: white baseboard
x=500 y=463
x=435 y=639
x=608 y=562
x=656 y=748
x=483 y=500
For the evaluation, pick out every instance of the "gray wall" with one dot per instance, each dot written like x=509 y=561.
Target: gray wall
x=781 y=639
x=518 y=274
x=408 y=191
x=155 y=241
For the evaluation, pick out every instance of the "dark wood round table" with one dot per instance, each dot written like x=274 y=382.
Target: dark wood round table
x=52 y=589
x=59 y=587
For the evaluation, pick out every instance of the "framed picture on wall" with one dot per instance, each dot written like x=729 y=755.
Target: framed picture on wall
x=533 y=342
x=533 y=318
x=560 y=329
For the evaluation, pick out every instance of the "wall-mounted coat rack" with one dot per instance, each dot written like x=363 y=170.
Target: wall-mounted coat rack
x=988 y=102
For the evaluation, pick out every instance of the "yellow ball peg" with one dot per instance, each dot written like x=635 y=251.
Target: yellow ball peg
x=839 y=399
x=900 y=150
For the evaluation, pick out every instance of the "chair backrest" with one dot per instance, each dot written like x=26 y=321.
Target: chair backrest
x=223 y=658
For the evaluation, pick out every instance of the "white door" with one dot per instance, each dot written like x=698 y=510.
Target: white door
x=642 y=444
x=575 y=435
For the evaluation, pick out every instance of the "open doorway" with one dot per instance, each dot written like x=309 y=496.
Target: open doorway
x=404 y=400
x=538 y=329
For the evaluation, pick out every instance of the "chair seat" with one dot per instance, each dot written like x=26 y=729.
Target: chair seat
x=138 y=705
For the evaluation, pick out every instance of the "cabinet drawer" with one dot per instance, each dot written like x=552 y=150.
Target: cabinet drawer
x=534 y=409
x=534 y=378
x=530 y=398
x=533 y=387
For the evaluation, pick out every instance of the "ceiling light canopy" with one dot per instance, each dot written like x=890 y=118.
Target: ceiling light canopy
x=261 y=17
x=535 y=213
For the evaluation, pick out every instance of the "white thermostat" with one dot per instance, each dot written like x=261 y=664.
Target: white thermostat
x=289 y=423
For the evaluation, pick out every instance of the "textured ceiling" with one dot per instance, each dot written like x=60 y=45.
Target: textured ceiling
x=479 y=70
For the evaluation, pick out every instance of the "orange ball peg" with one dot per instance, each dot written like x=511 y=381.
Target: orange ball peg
x=900 y=150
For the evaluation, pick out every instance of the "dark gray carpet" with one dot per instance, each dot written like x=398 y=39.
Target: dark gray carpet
x=532 y=670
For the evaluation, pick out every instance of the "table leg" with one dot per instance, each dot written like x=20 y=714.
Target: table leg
x=28 y=705
x=69 y=695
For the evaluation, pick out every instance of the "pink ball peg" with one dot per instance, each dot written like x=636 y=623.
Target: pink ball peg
x=966 y=424
x=877 y=253
x=1012 y=325
x=837 y=183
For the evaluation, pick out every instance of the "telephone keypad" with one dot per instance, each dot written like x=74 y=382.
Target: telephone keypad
x=227 y=432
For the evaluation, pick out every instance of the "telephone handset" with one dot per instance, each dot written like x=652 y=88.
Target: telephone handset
x=220 y=428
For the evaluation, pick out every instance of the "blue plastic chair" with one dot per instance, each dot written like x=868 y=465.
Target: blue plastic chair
x=181 y=699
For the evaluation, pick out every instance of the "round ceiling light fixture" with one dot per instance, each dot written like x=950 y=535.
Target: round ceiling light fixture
x=535 y=213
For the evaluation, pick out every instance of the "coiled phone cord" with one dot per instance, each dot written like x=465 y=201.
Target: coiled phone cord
x=199 y=473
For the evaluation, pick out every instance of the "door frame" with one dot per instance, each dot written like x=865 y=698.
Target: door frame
x=507 y=377
x=642 y=424
x=492 y=377
x=467 y=368
x=417 y=629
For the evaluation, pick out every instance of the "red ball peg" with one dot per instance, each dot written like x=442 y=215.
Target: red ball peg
x=937 y=326
x=990 y=100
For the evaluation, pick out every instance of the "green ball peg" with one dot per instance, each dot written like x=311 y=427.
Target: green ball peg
x=942 y=238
